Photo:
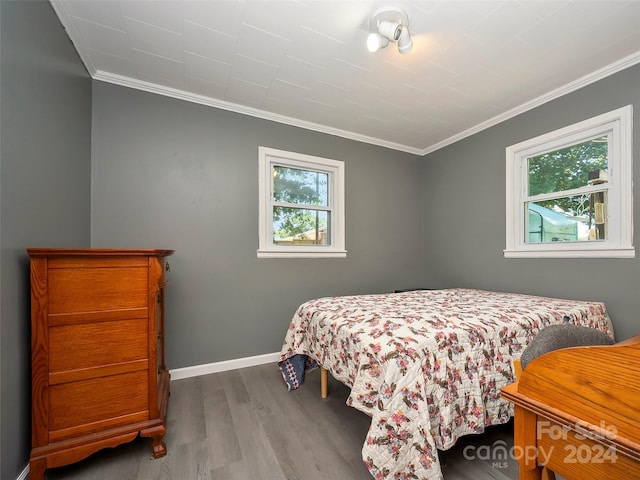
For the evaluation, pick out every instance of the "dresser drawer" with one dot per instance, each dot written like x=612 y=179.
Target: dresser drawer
x=92 y=405
x=76 y=290
x=83 y=346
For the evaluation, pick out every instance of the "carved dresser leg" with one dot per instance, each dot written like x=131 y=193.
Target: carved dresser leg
x=159 y=448
x=37 y=468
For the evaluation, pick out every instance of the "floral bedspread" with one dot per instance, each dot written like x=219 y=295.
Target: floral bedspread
x=426 y=365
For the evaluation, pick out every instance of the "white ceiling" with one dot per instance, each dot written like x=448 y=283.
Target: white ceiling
x=305 y=63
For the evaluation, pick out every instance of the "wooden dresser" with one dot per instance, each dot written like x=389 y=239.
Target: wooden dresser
x=99 y=377
x=577 y=413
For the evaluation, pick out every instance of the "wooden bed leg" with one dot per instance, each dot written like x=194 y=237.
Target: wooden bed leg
x=324 y=382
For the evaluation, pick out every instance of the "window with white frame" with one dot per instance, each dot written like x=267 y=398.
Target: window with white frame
x=301 y=205
x=569 y=192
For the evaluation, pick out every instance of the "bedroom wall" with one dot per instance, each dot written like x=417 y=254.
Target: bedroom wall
x=45 y=105
x=464 y=211
x=172 y=174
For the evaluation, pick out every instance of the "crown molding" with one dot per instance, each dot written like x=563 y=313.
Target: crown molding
x=245 y=110
x=588 y=79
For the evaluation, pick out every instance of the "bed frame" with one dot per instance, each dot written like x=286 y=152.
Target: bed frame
x=481 y=337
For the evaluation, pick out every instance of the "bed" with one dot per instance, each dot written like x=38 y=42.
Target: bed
x=427 y=366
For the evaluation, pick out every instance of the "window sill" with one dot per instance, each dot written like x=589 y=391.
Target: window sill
x=302 y=254
x=573 y=253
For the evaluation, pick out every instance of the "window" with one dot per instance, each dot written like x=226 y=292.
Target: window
x=569 y=192
x=301 y=205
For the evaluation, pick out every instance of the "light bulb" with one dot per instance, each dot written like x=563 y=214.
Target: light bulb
x=375 y=42
x=405 y=43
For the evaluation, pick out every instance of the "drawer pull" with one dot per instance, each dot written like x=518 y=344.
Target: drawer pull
x=167 y=267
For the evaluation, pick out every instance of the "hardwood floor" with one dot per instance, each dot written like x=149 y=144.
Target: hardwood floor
x=245 y=425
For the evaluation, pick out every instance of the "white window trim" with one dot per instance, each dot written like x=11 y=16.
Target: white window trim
x=335 y=168
x=618 y=123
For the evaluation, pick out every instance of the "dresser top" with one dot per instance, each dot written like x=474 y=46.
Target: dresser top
x=98 y=252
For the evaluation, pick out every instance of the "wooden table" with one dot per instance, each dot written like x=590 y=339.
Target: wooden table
x=577 y=412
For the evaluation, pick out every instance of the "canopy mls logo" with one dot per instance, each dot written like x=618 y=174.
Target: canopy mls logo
x=499 y=452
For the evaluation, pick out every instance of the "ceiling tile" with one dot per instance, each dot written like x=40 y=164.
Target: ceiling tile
x=503 y=24
x=261 y=45
x=205 y=88
x=159 y=68
x=296 y=71
x=114 y=64
x=207 y=69
x=152 y=39
x=209 y=43
x=101 y=38
x=167 y=15
x=219 y=15
x=102 y=12
x=280 y=18
x=253 y=71
x=250 y=94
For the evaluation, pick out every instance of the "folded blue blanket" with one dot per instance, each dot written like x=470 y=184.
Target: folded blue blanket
x=294 y=368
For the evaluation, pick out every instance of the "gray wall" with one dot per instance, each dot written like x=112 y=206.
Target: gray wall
x=45 y=104
x=464 y=211
x=172 y=174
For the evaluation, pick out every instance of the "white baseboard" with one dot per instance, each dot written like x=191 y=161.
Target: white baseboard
x=25 y=474
x=187 y=372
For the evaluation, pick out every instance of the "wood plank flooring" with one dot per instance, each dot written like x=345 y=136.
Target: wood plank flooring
x=245 y=425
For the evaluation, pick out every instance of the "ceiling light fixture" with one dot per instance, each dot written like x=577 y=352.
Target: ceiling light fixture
x=389 y=24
